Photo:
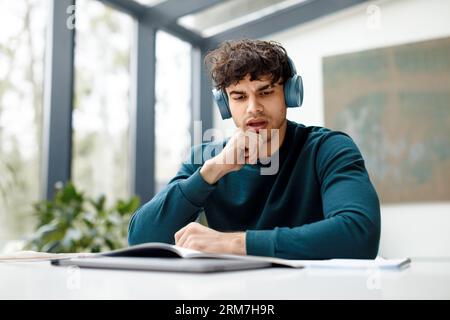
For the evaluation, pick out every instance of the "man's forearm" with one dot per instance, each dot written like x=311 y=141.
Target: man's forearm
x=171 y=209
x=212 y=171
x=156 y=222
x=347 y=235
x=238 y=243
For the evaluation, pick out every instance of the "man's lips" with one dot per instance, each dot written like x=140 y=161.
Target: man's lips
x=256 y=124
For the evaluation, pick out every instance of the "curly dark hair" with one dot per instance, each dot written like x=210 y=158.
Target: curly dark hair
x=233 y=60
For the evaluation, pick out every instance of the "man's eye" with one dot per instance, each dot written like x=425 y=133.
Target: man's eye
x=266 y=93
x=238 y=97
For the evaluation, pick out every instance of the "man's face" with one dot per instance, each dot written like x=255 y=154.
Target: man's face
x=258 y=105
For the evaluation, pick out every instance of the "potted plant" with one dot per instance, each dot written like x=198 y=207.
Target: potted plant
x=74 y=222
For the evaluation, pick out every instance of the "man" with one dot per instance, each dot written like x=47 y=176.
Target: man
x=319 y=204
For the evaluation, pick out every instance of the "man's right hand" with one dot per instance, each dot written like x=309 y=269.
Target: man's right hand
x=242 y=148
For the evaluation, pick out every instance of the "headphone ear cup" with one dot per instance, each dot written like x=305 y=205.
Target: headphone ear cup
x=222 y=102
x=293 y=91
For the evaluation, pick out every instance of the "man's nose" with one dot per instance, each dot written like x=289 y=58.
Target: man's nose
x=254 y=106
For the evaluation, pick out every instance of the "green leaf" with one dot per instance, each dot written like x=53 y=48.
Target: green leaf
x=127 y=207
x=99 y=204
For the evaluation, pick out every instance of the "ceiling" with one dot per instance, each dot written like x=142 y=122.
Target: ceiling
x=205 y=23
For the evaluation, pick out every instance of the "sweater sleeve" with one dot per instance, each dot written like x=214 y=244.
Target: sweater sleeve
x=171 y=209
x=351 y=224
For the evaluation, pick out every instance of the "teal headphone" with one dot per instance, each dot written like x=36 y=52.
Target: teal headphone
x=293 y=93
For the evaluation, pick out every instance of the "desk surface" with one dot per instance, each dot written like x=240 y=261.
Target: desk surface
x=39 y=280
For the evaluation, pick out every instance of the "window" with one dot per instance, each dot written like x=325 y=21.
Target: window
x=172 y=111
x=101 y=100
x=22 y=43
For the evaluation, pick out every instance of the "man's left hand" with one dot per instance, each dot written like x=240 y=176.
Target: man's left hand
x=198 y=237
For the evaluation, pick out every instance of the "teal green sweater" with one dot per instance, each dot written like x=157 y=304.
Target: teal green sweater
x=319 y=205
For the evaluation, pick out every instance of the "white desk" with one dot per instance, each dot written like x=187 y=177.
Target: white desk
x=40 y=280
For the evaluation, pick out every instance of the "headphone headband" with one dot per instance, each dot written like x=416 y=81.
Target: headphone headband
x=292 y=67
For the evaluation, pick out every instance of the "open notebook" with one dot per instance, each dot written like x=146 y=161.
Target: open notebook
x=166 y=257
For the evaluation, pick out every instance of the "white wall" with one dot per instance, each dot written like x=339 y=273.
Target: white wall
x=416 y=230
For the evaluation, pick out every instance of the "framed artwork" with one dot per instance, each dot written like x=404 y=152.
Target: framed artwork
x=395 y=104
